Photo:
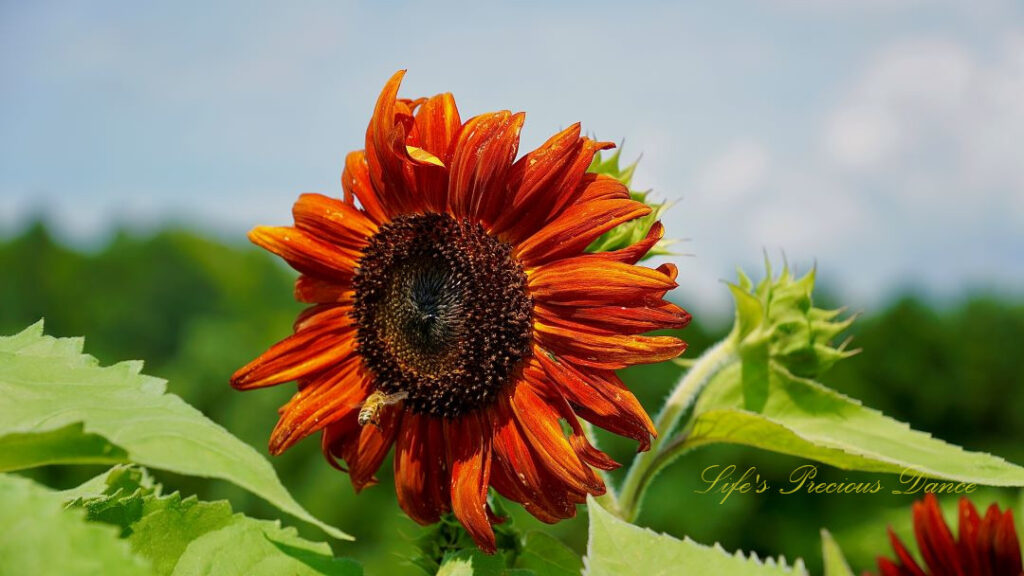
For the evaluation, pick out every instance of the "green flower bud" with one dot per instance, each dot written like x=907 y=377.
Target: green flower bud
x=777 y=321
x=631 y=232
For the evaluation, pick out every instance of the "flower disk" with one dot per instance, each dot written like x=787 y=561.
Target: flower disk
x=443 y=313
x=456 y=315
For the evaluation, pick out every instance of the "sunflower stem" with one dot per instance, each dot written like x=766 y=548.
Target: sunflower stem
x=609 y=500
x=646 y=465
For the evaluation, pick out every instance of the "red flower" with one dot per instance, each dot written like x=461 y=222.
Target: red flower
x=455 y=314
x=987 y=546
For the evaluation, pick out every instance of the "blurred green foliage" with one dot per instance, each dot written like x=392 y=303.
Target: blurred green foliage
x=196 y=309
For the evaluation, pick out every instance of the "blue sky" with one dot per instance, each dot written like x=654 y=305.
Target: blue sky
x=879 y=139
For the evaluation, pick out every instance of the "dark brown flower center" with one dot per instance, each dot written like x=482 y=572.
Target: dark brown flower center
x=443 y=313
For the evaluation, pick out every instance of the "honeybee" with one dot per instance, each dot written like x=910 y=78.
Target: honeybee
x=375 y=403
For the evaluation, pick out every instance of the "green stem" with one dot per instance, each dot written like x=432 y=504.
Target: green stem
x=648 y=464
x=609 y=501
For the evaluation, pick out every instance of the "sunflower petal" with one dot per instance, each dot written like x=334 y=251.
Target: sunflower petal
x=934 y=539
x=469 y=459
x=602 y=399
x=636 y=252
x=522 y=474
x=299 y=355
x=363 y=448
x=314 y=290
x=437 y=124
x=355 y=181
x=387 y=159
x=601 y=187
x=547 y=180
x=334 y=220
x=484 y=153
x=576 y=228
x=607 y=351
x=552 y=394
x=337 y=394
x=306 y=252
x=907 y=564
x=420 y=469
x=574 y=282
x=541 y=428
x=614 y=319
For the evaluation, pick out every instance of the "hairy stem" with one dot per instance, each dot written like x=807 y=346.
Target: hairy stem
x=648 y=464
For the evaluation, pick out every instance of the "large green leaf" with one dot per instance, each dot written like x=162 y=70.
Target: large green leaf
x=804 y=418
x=62 y=399
x=545 y=555
x=184 y=536
x=40 y=538
x=617 y=547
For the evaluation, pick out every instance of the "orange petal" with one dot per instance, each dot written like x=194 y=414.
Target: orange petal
x=509 y=487
x=435 y=127
x=519 y=476
x=601 y=187
x=337 y=394
x=387 y=159
x=420 y=468
x=588 y=281
x=602 y=399
x=338 y=222
x=614 y=319
x=363 y=448
x=437 y=123
x=607 y=351
x=541 y=428
x=326 y=316
x=306 y=252
x=484 y=152
x=469 y=459
x=355 y=181
x=545 y=181
x=633 y=254
x=297 y=356
x=577 y=227
x=552 y=394
x=313 y=290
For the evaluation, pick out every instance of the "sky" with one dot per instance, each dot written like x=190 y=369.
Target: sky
x=877 y=139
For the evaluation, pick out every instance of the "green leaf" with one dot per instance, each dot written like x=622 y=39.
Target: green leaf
x=186 y=536
x=804 y=418
x=67 y=400
x=616 y=548
x=472 y=563
x=832 y=557
x=247 y=547
x=545 y=555
x=67 y=445
x=41 y=537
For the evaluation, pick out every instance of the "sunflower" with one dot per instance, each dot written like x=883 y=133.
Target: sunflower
x=455 y=314
x=987 y=546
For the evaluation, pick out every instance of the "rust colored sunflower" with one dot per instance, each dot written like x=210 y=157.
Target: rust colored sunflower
x=987 y=546
x=456 y=315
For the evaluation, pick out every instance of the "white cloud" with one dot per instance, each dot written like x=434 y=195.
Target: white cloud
x=935 y=118
x=735 y=173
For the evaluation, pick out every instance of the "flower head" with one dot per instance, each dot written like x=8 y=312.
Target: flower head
x=986 y=546
x=455 y=314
